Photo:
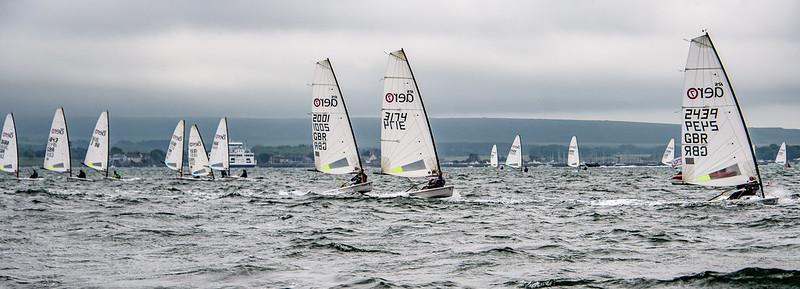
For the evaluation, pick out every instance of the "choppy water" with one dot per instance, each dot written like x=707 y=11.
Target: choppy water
x=552 y=227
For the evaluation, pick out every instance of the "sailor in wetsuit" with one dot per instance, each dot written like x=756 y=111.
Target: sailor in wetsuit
x=747 y=189
x=359 y=178
x=437 y=182
x=34 y=175
x=81 y=174
x=223 y=174
x=116 y=175
x=244 y=174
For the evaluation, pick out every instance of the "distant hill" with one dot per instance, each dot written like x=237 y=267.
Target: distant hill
x=151 y=133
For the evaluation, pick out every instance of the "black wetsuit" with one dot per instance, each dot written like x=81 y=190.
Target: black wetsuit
x=35 y=175
x=244 y=174
x=82 y=174
x=359 y=178
x=743 y=190
x=438 y=182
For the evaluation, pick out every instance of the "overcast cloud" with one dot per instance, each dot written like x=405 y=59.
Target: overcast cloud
x=617 y=60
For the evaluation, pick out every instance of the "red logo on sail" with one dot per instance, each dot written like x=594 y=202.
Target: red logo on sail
x=389 y=97
x=692 y=93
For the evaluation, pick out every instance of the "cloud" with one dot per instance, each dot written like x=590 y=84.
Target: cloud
x=616 y=60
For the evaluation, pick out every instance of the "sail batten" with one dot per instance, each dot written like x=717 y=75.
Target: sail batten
x=715 y=149
x=334 y=144
x=407 y=145
x=9 y=154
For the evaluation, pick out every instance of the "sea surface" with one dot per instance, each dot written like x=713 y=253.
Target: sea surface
x=621 y=227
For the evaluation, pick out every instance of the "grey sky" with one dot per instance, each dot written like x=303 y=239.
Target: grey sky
x=617 y=60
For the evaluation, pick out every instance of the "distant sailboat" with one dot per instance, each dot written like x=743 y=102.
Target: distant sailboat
x=174 y=157
x=407 y=145
x=781 y=157
x=514 y=158
x=716 y=147
x=573 y=156
x=669 y=153
x=9 y=156
x=97 y=152
x=335 y=147
x=198 y=156
x=57 y=154
x=219 y=149
x=493 y=162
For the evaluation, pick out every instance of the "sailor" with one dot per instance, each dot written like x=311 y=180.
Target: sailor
x=501 y=167
x=747 y=189
x=525 y=169
x=437 y=182
x=116 y=175
x=359 y=178
x=223 y=174
x=81 y=174
x=35 y=174
x=244 y=174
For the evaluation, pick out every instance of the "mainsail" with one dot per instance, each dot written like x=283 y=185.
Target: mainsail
x=97 y=153
x=198 y=157
x=335 y=148
x=716 y=148
x=407 y=146
x=493 y=157
x=669 y=153
x=57 y=156
x=219 y=150
x=9 y=158
x=514 y=158
x=573 y=158
x=779 y=159
x=174 y=158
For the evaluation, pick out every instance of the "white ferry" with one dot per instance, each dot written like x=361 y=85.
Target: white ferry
x=240 y=156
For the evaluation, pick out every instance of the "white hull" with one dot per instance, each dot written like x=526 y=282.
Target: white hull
x=122 y=179
x=358 y=188
x=238 y=178
x=443 y=192
x=196 y=179
x=80 y=179
x=30 y=179
x=767 y=200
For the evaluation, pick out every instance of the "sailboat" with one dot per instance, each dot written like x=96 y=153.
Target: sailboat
x=174 y=158
x=335 y=147
x=716 y=147
x=9 y=157
x=573 y=156
x=781 y=157
x=57 y=154
x=219 y=150
x=97 y=152
x=669 y=153
x=198 y=156
x=514 y=158
x=493 y=162
x=407 y=145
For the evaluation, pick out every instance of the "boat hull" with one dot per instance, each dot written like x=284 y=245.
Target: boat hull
x=357 y=188
x=443 y=192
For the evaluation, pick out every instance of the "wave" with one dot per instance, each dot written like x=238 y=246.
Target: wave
x=751 y=277
x=341 y=247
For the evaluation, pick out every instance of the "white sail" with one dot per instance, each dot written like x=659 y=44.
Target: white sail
x=573 y=158
x=779 y=159
x=174 y=158
x=514 y=158
x=493 y=157
x=716 y=149
x=198 y=157
x=669 y=153
x=219 y=150
x=335 y=149
x=97 y=153
x=407 y=147
x=57 y=156
x=9 y=158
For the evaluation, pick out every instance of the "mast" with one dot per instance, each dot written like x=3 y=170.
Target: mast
x=741 y=116
x=16 y=140
x=108 y=143
x=427 y=121
x=352 y=133
x=69 y=151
